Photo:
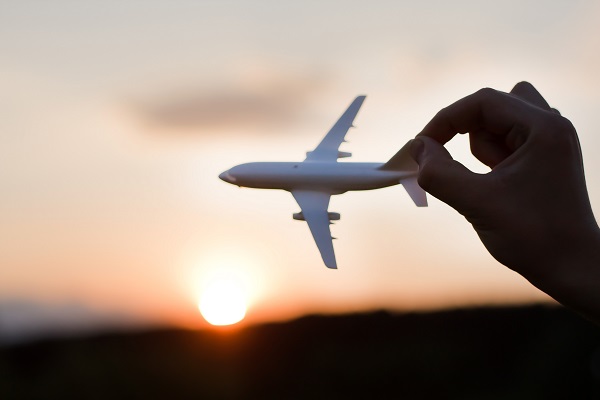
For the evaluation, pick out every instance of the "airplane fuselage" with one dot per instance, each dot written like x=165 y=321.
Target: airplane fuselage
x=330 y=177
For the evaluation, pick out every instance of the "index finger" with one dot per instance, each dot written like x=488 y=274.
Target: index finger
x=526 y=91
x=487 y=109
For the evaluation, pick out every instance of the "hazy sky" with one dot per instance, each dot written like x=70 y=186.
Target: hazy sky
x=117 y=117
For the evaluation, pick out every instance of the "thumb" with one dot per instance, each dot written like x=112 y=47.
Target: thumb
x=445 y=178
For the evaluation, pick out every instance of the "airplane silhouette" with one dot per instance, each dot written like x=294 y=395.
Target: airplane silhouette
x=313 y=181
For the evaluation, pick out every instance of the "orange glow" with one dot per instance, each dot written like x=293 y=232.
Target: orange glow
x=223 y=302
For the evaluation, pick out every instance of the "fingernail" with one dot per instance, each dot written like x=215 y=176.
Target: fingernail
x=416 y=149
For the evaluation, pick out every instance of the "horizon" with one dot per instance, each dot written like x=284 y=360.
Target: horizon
x=121 y=328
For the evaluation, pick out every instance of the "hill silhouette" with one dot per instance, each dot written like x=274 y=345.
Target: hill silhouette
x=485 y=353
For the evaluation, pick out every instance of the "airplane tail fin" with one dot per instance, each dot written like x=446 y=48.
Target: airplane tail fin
x=402 y=161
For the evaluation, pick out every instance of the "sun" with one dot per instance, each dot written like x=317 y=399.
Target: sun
x=223 y=302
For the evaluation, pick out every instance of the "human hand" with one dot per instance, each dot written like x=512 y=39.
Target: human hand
x=532 y=210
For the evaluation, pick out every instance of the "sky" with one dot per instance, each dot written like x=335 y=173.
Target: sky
x=117 y=117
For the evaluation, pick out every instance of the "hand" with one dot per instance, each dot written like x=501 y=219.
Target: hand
x=532 y=210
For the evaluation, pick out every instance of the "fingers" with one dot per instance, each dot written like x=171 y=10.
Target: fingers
x=527 y=92
x=498 y=124
x=485 y=110
x=443 y=177
x=489 y=148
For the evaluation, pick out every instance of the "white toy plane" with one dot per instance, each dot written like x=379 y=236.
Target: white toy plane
x=313 y=181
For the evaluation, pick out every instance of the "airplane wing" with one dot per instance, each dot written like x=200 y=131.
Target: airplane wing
x=314 y=208
x=327 y=150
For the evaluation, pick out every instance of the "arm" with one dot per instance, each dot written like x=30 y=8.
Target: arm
x=532 y=210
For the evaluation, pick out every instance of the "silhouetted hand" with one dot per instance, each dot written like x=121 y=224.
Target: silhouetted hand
x=532 y=210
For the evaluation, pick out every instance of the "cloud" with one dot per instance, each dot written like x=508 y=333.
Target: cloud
x=264 y=101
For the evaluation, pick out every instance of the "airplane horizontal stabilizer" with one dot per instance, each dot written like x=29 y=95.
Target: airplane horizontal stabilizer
x=416 y=193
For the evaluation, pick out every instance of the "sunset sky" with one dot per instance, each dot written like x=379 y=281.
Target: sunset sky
x=117 y=117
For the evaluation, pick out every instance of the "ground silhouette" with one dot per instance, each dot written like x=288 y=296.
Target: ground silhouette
x=513 y=353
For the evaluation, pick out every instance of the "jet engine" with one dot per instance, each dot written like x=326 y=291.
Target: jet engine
x=298 y=216
x=333 y=216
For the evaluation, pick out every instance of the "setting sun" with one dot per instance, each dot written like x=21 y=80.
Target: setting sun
x=223 y=302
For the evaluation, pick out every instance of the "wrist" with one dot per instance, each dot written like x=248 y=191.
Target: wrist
x=571 y=273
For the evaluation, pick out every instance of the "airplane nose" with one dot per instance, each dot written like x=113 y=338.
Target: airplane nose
x=226 y=176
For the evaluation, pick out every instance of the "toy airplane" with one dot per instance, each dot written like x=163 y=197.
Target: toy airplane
x=313 y=181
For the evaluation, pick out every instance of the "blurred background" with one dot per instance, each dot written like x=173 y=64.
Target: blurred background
x=117 y=117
